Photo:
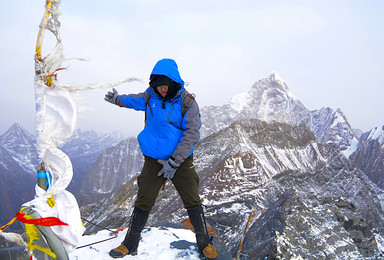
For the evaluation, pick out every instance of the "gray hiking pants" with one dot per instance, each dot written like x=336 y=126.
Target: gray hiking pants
x=186 y=182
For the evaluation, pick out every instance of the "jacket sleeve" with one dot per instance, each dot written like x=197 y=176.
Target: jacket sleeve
x=134 y=101
x=191 y=124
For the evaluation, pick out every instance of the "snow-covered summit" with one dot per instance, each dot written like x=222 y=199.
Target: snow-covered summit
x=269 y=99
x=156 y=243
x=15 y=134
x=275 y=77
x=22 y=147
x=268 y=85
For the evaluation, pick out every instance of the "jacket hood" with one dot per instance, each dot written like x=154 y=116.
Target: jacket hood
x=168 y=67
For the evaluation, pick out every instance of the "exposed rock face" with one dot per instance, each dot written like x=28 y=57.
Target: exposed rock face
x=83 y=148
x=116 y=166
x=331 y=127
x=113 y=211
x=290 y=229
x=309 y=200
x=369 y=157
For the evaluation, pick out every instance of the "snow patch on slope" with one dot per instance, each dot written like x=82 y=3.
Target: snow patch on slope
x=239 y=101
x=377 y=133
x=353 y=145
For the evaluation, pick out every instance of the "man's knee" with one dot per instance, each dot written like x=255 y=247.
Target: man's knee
x=145 y=206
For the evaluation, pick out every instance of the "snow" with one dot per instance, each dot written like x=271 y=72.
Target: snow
x=239 y=101
x=337 y=120
x=155 y=244
x=278 y=77
x=380 y=242
x=281 y=81
x=353 y=145
x=376 y=133
x=4 y=165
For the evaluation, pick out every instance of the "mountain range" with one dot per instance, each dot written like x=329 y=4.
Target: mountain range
x=18 y=164
x=84 y=148
x=313 y=182
x=308 y=198
x=270 y=100
x=265 y=151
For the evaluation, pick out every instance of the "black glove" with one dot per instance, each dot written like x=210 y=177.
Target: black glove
x=111 y=97
x=169 y=168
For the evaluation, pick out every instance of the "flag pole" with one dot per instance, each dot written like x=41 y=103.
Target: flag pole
x=39 y=42
x=40 y=35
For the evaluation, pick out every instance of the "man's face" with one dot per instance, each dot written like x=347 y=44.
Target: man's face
x=163 y=89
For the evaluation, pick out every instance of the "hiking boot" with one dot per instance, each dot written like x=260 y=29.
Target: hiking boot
x=132 y=238
x=121 y=251
x=210 y=252
x=198 y=222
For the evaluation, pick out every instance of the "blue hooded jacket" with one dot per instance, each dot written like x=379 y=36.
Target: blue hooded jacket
x=167 y=132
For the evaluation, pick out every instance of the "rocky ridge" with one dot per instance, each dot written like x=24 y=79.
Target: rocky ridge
x=369 y=156
x=83 y=148
x=114 y=167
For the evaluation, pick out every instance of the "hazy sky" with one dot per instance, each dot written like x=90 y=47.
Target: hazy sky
x=330 y=53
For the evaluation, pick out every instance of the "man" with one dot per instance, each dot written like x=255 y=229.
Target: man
x=171 y=131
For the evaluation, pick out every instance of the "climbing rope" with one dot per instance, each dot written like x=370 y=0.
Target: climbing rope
x=113 y=233
x=96 y=242
x=96 y=225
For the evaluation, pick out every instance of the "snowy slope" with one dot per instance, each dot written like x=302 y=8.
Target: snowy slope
x=155 y=244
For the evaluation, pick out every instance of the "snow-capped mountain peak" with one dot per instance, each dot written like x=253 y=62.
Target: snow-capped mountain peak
x=262 y=89
x=22 y=147
x=377 y=133
x=275 y=77
x=15 y=134
x=269 y=99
